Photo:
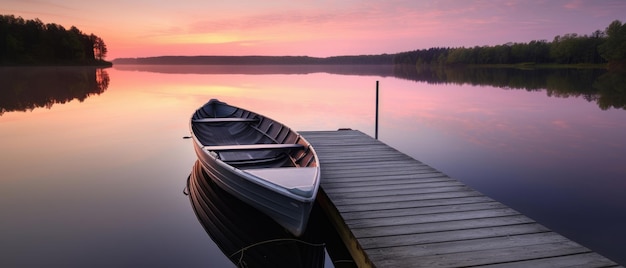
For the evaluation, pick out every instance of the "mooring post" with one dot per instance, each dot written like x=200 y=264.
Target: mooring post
x=376 y=127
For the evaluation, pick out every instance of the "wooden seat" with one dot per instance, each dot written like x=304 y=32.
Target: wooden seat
x=224 y=120
x=249 y=147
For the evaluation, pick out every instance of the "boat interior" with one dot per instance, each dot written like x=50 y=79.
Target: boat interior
x=246 y=140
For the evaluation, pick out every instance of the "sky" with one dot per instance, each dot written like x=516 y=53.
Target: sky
x=318 y=28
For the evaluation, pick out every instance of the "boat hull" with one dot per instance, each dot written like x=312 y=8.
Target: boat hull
x=288 y=206
x=288 y=212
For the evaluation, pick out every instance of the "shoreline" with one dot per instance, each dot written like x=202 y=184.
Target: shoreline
x=104 y=64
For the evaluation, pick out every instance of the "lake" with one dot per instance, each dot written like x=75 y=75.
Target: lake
x=94 y=164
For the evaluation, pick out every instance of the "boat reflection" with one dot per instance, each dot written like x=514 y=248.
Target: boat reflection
x=27 y=88
x=246 y=236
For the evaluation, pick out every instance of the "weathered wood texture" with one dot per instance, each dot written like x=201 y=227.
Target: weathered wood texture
x=394 y=211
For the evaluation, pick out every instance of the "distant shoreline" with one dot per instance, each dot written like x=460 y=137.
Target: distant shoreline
x=105 y=64
x=383 y=59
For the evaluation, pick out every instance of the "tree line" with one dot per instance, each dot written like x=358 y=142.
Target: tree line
x=31 y=42
x=599 y=47
x=259 y=60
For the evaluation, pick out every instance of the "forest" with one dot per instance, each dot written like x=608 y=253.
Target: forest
x=260 y=60
x=31 y=42
x=600 y=47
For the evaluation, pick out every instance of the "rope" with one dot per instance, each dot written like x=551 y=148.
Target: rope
x=270 y=241
x=186 y=189
x=343 y=261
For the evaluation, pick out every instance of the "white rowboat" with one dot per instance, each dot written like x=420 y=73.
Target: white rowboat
x=258 y=160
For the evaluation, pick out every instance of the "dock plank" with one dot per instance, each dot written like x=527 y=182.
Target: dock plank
x=371 y=214
x=398 y=221
x=453 y=235
x=353 y=186
x=433 y=227
x=482 y=246
x=410 y=185
x=500 y=255
x=415 y=203
x=394 y=211
x=340 y=200
x=588 y=260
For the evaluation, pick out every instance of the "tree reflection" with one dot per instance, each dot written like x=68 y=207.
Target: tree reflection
x=607 y=89
x=604 y=88
x=27 y=88
x=611 y=88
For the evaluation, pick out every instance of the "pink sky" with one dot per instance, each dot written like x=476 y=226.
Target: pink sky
x=316 y=27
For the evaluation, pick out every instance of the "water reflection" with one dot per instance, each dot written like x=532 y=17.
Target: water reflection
x=604 y=88
x=27 y=88
x=366 y=70
x=246 y=236
x=611 y=90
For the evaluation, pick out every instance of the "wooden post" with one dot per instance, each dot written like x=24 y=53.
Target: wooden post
x=376 y=127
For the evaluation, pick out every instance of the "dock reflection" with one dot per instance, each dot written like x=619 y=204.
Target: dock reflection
x=246 y=236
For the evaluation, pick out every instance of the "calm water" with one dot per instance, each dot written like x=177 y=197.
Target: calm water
x=93 y=164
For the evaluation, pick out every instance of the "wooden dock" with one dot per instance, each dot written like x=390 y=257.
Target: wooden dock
x=394 y=211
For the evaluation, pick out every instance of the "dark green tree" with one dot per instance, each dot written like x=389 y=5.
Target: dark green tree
x=614 y=48
x=31 y=42
x=99 y=47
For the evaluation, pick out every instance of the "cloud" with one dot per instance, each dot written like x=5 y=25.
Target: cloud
x=40 y=4
x=560 y=124
x=576 y=4
x=367 y=20
x=38 y=9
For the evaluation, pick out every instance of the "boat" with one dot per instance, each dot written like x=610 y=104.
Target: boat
x=248 y=237
x=258 y=160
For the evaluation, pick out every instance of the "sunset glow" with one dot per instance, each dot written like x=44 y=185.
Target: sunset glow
x=316 y=28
